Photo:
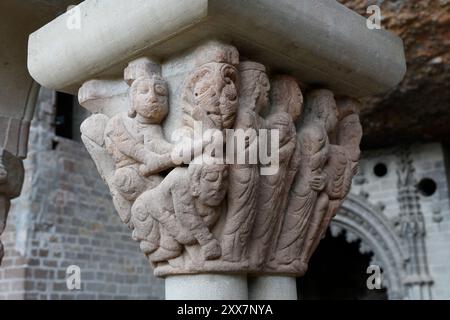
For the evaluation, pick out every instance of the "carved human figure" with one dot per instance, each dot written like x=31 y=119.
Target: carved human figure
x=136 y=143
x=180 y=211
x=208 y=100
x=244 y=178
x=349 y=135
x=286 y=107
x=307 y=202
x=342 y=163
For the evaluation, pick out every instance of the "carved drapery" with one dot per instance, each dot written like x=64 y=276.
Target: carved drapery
x=191 y=209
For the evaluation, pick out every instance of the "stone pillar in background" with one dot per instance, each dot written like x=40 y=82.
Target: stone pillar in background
x=11 y=179
x=221 y=158
x=18 y=92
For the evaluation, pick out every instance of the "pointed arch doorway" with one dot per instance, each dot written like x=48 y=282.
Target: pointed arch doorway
x=359 y=236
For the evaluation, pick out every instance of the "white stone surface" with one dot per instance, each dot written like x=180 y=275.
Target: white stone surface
x=321 y=41
x=272 y=288
x=207 y=287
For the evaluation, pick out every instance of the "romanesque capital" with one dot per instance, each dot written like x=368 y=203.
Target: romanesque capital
x=229 y=136
x=220 y=166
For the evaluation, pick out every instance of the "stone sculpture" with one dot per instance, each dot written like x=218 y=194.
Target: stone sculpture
x=180 y=211
x=244 y=177
x=11 y=179
x=195 y=211
x=307 y=201
x=342 y=165
x=287 y=103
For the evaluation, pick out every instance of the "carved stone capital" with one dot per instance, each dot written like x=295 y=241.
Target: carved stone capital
x=186 y=158
x=11 y=179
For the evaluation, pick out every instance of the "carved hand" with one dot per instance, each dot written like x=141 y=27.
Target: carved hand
x=317 y=183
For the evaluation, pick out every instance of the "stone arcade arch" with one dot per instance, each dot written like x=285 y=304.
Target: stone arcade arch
x=362 y=221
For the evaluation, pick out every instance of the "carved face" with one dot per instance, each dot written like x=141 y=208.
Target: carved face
x=287 y=96
x=331 y=117
x=295 y=103
x=214 y=95
x=321 y=106
x=350 y=133
x=149 y=98
x=262 y=101
x=212 y=185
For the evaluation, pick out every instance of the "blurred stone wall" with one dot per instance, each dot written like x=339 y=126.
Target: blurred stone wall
x=64 y=217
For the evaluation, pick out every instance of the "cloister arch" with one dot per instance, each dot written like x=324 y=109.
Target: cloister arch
x=362 y=221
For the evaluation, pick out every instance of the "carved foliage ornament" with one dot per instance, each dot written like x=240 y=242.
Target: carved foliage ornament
x=212 y=216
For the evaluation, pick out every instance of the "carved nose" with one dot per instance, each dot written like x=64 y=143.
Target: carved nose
x=151 y=97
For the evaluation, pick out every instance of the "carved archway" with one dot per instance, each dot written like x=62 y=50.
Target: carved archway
x=362 y=221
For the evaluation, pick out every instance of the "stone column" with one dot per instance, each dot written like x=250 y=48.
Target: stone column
x=206 y=287
x=272 y=288
x=11 y=179
x=185 y=109
x=18 y=92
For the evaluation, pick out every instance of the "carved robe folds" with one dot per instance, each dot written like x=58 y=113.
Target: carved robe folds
x=187 y=156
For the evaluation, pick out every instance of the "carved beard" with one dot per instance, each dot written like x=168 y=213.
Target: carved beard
x=209 y=100
x=229 y=103
x=215 y=92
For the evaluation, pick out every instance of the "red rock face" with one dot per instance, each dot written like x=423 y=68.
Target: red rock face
x=418 y=109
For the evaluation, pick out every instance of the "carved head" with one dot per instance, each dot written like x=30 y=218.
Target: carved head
x=254 y=86
x=286 y=96
x=210 y=93
x=321 y=106
x=140 y=67
x=128 y=182
x=208 y=183
x=149 y=98
x=349 y=129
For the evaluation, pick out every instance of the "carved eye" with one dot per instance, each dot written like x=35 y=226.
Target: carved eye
x=200 y=90
x=143 y=90
x=160 y=90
